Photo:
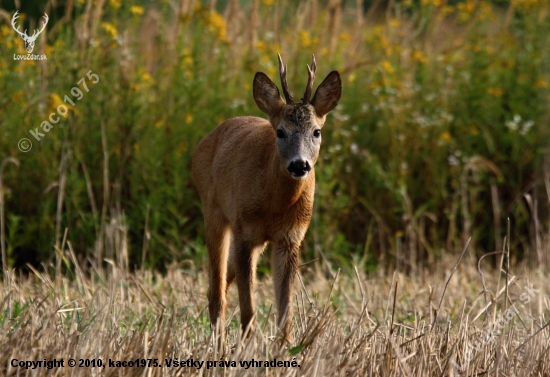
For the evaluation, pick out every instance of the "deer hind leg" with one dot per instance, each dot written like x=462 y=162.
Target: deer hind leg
x=217 y=242
x=284 y=266
x=230 y=266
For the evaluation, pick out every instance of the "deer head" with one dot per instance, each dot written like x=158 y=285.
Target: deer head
x=29 y=41
x=297 y=126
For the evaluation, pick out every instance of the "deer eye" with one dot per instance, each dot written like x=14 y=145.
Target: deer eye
x=317 y=133
x=280 y=134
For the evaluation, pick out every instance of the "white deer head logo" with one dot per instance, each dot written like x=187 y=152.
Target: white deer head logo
x=29 y=41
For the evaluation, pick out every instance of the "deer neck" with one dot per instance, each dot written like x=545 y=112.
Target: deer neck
x=287 y=190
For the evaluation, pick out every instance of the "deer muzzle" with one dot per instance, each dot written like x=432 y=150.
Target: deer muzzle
x=299 y=168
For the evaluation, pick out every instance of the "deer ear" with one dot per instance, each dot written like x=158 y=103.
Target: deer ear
x=266 y=95
x=328 y=94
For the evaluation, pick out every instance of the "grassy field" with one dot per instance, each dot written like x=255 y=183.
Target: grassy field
x=443 y=322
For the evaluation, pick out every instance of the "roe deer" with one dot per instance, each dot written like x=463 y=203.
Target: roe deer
x=256 y=182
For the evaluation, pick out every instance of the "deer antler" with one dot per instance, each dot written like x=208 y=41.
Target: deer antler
x=309 y=87
x=286 y=91
x=13 y=19
x=43 y=27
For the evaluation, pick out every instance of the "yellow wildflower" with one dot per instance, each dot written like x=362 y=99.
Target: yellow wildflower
x=137 y=10
x=446 y=136
x=146 y=77
x=19 y=43
x=115 y=3
x=56 y=101
x=345 y=37
x=469 y=6
x=18 y=96
x=5 y=30
x=216 y=24
x=188 y=61
x=59 y=44
x=185 y=52
x=143 y=81
x=486 y=11
x=261 y=46
x=466 y=9
x=268 y=2
x=437 y=3
x=29 y=63
x=541 y=83
x=495 y=92
x=180 y=148
x=447 y=9
x=385 y=43
x=418 y=56
x=305 y=39
x=109 y=28
x=159 y=123
x=188 y=118
x=527 y=5
x=386 y=64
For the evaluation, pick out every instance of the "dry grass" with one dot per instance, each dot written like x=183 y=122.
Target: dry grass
x=345 y=323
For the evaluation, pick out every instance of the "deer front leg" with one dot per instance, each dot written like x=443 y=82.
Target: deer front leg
x=244 y=266
x=284 y=265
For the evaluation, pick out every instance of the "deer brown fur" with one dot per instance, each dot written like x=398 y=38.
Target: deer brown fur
x=256 y=181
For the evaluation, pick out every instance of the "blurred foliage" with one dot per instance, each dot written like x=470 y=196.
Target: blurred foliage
x=441 y=132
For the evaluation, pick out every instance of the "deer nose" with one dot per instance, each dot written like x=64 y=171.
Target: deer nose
x=299 y=168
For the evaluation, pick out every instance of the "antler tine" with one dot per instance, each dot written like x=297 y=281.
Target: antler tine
x=311 y=71
x=13 y=19
x=43 y=25
x=286 y=91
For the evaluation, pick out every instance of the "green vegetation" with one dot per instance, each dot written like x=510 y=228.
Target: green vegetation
x=441 y=135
